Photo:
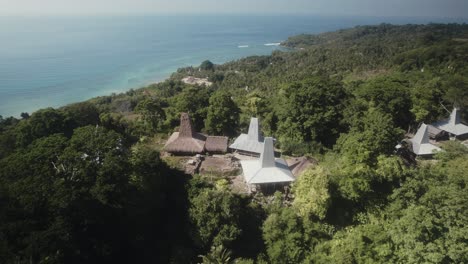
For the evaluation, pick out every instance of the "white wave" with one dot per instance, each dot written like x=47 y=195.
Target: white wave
x=273 y=44
x=243 y=46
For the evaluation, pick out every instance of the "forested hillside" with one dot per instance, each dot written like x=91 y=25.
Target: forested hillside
x=86 y=184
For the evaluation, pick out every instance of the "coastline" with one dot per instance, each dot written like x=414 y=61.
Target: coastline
x=83 y=62
x=124 y=87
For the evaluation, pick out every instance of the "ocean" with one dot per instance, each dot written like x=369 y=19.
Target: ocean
x=57 y=60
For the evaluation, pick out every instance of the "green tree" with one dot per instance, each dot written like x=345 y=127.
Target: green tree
x=28 y=180
x=156 y=210
x=195 y=101
x=42 y=123
x=314 y=108
x=370 y=137
x=223 y=115
x=97 y=158
x=354 y=183
x=152 y=113
x=254 y=104
x=312 y=197
x=426 y=96
x=24 y=115
x=428 y=212
x=391 y=96
x=207 y=65
x=7 y=142
x=367 y=243
x=457 y=92
x=215 y=218
x=284 y=237
x=82 y=114
x=217 y=255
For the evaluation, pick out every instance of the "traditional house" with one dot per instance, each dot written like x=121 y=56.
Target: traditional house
x=189 y=142
x=420 y=142
x=453 y=125
x=251 y=143
x=267 y=173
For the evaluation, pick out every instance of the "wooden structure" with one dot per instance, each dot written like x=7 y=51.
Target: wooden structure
x=189 y=142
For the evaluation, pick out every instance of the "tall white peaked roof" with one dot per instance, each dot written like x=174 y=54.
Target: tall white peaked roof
x=422 y=136
x=455 y=116
x=420 y=142
x=453 y=125
x=254 y=131
x=267 y=169
x=267 y=157
x=251 y=142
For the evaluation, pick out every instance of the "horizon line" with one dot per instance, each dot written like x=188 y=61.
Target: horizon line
x=225 y=14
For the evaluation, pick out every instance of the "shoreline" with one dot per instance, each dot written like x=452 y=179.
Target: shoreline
x=110 y=92
x=70 y=84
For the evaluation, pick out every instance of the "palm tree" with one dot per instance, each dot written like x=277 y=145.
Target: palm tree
x=217 y=255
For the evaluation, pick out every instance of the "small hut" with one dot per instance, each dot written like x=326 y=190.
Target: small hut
x=420 y=142
x=189 y=142
x=251 y=143
x=453 y=125
x=267 y=173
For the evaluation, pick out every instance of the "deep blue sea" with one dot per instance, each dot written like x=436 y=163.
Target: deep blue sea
x=53 y=61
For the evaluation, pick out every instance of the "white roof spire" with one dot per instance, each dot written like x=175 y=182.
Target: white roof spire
x=422 y=136
x=267 y=169
x=455 y=116
x=420 y=142
x=267 y=157
x=453 y=125
x=254 y=132
x=251 y=142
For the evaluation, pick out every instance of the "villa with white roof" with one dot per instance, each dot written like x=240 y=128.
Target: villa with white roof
x=453 y=125
x=267 y=173
x=420 y=143
x=251 y=143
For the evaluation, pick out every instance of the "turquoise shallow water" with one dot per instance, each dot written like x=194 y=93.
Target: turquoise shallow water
x=53 y=61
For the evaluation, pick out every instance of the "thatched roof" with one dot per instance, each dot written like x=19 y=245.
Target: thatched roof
x=177 y=144
x=186 y=129
x=251 y=142
x=215 y=144
x=185 y=141
x=267 y=169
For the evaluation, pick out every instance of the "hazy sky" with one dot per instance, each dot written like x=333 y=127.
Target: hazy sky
x=433 y=8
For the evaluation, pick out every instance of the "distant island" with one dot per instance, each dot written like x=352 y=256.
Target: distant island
x=341 y=121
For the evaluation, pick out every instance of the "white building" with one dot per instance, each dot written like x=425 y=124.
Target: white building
x=251 y=143
x=453 y=125
x=420 y=142
x=267 y=173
